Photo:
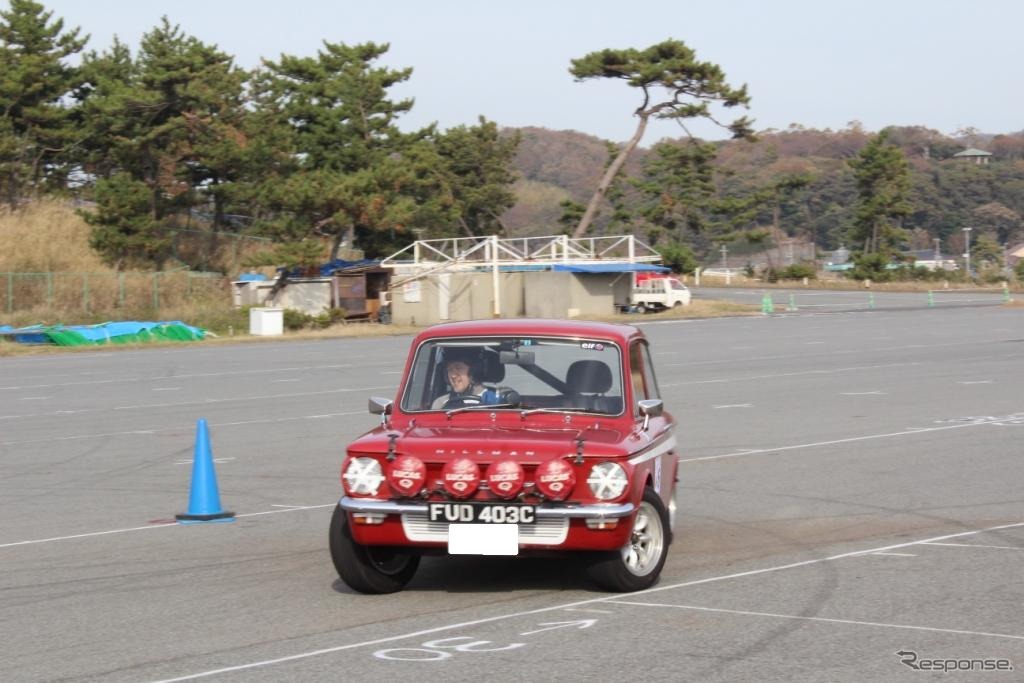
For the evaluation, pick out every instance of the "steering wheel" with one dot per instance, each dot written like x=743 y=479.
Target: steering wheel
x=461 y=402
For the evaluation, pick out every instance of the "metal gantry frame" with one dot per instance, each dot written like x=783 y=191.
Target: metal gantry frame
x=468 y=254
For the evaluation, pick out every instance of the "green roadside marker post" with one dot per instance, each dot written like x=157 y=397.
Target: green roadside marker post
x=767 y=306
x=931 y=298
x=871 y=300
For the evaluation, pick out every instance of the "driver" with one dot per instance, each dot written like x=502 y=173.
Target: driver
x=463 y=383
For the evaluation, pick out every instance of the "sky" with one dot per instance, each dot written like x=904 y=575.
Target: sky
x=942 y=64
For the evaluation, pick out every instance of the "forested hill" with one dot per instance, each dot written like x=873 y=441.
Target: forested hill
x=947 y=192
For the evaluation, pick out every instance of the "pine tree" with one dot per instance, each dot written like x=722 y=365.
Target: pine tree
x=36 y=134
x=883 y=185
x=171 y=121
x=689 y=86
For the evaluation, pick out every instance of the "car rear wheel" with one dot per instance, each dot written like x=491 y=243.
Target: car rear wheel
x=367 y=568
x=638 y=563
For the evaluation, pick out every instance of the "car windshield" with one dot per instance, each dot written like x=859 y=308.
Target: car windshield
x=516 y=373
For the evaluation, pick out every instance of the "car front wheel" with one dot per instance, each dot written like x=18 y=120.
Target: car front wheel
x=638 y=563
x=367 y=568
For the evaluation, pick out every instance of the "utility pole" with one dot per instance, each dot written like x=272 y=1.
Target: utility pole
x=725 y=266
x=967 y=250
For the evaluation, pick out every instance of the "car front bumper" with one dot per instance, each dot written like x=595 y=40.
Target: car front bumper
x=601 y=526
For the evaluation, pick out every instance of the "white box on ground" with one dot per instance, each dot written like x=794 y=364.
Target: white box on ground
x=266 y=322
x=483 y=539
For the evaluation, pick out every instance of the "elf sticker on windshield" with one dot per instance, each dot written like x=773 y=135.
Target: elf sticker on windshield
x=592 y=346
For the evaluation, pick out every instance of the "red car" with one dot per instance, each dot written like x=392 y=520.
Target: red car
x=511 y=437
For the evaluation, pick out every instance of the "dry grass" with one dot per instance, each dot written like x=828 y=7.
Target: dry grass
x=46 y=236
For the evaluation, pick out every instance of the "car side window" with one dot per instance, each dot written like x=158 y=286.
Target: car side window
x=636 y=372
x=650 y=379
x=641 y=371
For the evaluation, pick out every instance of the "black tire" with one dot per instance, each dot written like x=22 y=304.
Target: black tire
x=365 y=568
x=637 y=565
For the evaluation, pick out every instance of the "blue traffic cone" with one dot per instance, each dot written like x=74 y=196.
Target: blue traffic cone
x=203 y=499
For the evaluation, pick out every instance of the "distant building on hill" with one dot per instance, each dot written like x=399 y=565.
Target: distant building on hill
x=1014 y=255
x=979 y=156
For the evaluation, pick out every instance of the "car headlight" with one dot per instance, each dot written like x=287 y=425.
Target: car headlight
x=607 y=480
x=362 y=476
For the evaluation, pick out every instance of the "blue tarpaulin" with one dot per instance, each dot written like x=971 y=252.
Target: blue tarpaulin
x=111 y=332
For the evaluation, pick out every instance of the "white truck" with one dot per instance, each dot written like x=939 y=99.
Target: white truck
x=659 y=292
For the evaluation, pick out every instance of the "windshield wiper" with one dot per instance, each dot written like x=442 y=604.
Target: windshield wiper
x=534 y=411
x=466 y=409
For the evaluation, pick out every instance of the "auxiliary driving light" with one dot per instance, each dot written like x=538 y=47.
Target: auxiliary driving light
x=407 y=475
x=505 y=478
x=461 y=477
x=555 y=479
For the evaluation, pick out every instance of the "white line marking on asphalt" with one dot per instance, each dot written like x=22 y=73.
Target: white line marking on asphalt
x=844 y=352
x=897 y=554
x=980 y=381
x=851 y=622
x=734 y=405
x=151 y=526
x=814 y=342
x=852 y=439
x=606 y=600
x=830 y=371
x=590 y=611
x=177 y=428
x=205 y=401
x=862 y=393
x=189 y=462
x=166 y=388
x=972 y=545
x=226 y=373
x=36 y=398
x=294 y=379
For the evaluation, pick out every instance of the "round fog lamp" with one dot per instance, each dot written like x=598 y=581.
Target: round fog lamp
x=407 y=475
x=555 y=479
x=461 y=477
x=505 y=478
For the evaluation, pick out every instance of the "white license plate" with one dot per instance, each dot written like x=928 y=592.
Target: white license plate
x=481 y=513
x=483 y=539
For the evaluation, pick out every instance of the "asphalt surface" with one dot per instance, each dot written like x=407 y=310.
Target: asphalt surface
x=851 y=488
x=805 y=300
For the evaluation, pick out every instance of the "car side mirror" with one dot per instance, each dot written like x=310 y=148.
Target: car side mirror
x=650 y=407
x=382 y=407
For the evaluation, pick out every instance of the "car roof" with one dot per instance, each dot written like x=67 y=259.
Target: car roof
x=533 y=327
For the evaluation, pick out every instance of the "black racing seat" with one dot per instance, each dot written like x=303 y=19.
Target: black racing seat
x=587 y=382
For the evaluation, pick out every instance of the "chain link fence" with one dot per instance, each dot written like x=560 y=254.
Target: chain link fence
x=99 y=292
